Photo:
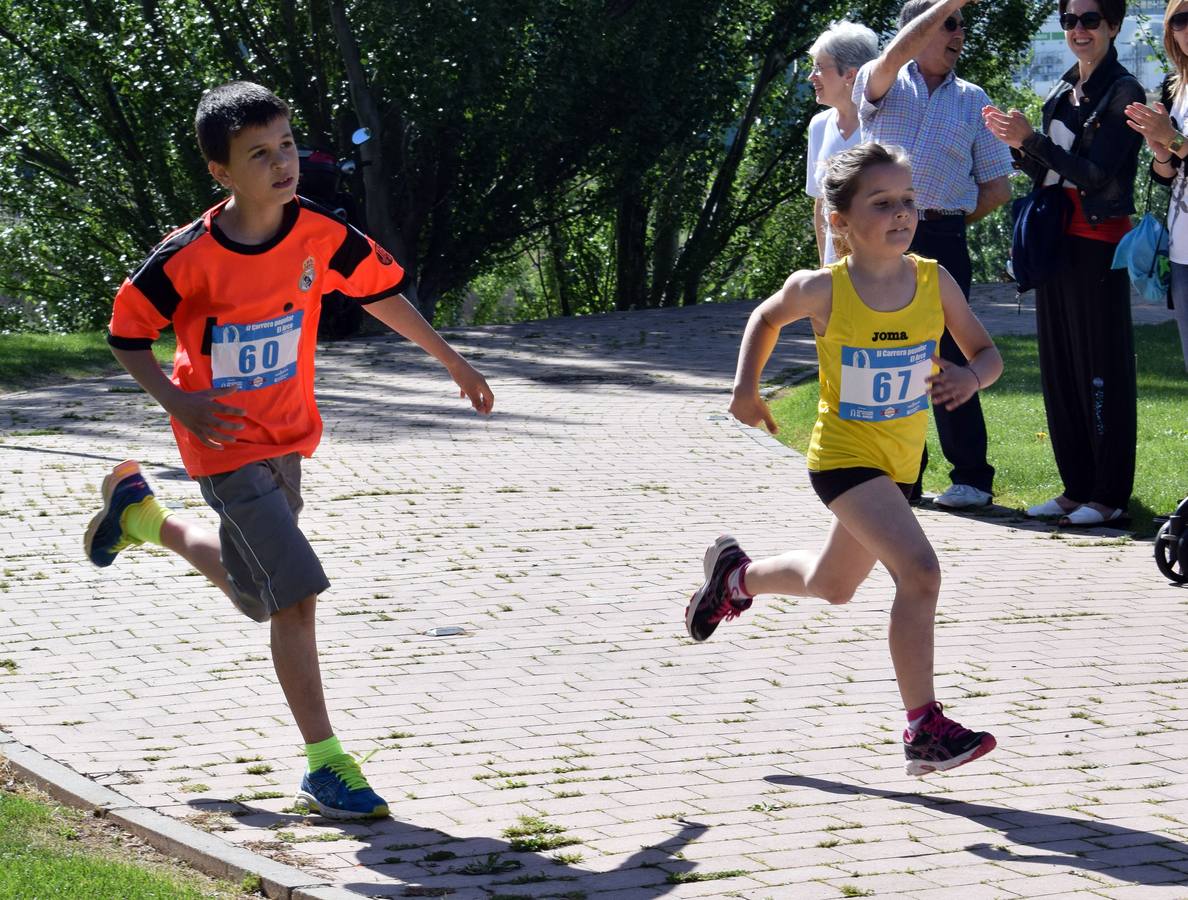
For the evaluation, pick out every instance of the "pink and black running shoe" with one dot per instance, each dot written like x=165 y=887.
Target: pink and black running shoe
x=940 y=744
x=713 y=602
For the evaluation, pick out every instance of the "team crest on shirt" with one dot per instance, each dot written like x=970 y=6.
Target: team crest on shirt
x=307 y=274
x=383 y=256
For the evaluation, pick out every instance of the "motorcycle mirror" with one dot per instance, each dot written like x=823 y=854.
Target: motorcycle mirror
x=361 y=136
x=347 y=167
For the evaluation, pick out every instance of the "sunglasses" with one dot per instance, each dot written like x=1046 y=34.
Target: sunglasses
x=1179 y=21
x=1090 y=20
x=953 y=23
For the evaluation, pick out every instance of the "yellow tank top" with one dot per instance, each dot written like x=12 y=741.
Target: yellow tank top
x=874 y=402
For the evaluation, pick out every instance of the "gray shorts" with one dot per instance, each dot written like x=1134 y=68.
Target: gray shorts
x=265 y=554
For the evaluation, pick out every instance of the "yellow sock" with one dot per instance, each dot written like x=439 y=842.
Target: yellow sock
x=142 y=521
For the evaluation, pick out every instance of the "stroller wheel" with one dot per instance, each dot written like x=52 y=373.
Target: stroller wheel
x=1171 y=554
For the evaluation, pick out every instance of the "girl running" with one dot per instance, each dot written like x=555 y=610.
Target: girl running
x=877 y=315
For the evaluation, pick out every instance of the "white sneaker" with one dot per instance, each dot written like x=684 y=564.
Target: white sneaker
x=962 y=496
x=1048 y=509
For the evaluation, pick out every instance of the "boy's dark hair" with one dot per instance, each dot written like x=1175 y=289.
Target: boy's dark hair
x=1113 y=11
x=226 y=109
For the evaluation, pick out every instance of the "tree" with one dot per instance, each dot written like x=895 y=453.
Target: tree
x=632 y=150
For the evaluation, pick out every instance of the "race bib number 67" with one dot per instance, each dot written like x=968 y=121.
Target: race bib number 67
x=878 y=384
x=256 y=355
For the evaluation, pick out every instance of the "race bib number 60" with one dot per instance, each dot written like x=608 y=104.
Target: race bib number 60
x=878 y=384
x=256 y=355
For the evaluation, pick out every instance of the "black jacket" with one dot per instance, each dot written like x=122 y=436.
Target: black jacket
x=1106 y=160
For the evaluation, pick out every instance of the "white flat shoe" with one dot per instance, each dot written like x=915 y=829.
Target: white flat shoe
x=1048 y=508
x=1086 y=517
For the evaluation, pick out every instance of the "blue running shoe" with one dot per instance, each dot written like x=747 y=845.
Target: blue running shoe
x=338 y=790
x=105 y=536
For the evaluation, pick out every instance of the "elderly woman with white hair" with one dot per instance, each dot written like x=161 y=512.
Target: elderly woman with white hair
x=837 y=54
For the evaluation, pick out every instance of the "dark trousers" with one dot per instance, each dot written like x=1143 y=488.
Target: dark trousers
x=962 y=431
x=1086 y=356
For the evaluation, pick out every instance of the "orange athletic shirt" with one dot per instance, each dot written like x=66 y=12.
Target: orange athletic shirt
x=246 y=316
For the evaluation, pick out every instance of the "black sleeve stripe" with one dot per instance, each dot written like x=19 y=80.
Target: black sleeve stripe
x=374 y=298
x=208 y=335
x=152 y=281
x=353 y=250
x=123 y=343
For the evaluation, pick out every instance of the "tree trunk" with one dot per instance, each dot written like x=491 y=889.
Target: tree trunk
x=666 y=243
x=380 y=223
x=631 y=260
x=560 y=270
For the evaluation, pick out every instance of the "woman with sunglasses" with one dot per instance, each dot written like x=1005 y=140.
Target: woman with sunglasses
x=1083 y=327
x=1160 y=127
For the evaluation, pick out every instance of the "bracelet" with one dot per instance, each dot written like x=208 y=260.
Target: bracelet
x=975 y=375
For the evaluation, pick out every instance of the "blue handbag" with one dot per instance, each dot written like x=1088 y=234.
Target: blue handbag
x=1037 y=235
x=1143 y=253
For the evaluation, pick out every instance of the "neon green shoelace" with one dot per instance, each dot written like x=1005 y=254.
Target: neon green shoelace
x=347 y=768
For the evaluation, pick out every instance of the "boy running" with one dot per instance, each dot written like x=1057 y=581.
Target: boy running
x=242 y=287
x=878 y=316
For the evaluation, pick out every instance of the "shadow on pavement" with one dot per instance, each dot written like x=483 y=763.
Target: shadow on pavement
x=1127 y=855
x=410 y=861
x=1139 y=524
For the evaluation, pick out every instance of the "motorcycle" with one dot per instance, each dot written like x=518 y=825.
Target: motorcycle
x=328 y=181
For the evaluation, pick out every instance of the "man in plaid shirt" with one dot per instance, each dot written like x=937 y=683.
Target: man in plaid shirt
x=911 y=98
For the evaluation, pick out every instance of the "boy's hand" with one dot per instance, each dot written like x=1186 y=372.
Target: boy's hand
x=203 y=416
x=473 y=386
x=751 y=409
x=952 y=385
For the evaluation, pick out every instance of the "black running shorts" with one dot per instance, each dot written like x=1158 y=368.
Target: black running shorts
x=832 y=483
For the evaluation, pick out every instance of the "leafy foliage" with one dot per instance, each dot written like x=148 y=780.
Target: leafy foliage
x=587 y=154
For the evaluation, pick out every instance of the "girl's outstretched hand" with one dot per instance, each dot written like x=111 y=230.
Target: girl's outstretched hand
x=953 y=385
x=751 y=409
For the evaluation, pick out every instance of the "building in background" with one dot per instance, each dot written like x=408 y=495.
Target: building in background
x=1139 y=43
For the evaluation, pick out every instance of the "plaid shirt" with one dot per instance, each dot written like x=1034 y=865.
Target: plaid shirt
x=946 y=140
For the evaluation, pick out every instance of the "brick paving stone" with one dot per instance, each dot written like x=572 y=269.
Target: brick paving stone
x=564 y=534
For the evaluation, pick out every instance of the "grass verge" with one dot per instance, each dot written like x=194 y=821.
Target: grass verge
x=1019 y=448
x=30 y=360
x=50 y=851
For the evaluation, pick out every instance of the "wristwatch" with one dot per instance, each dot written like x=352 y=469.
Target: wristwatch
x=1176 y=143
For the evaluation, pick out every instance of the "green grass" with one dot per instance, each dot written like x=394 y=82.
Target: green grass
x=29 y=360
x=42 y=854
x=1019 y=448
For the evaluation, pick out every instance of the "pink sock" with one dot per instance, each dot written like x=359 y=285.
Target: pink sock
x=917 y=715
x=736 y=583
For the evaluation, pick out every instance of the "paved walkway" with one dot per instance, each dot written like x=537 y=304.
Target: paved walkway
x=564 y=535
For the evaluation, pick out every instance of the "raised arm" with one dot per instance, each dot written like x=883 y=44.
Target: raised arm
x=906 y=45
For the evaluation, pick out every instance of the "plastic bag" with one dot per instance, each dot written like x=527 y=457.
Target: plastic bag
x=1143 y=253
